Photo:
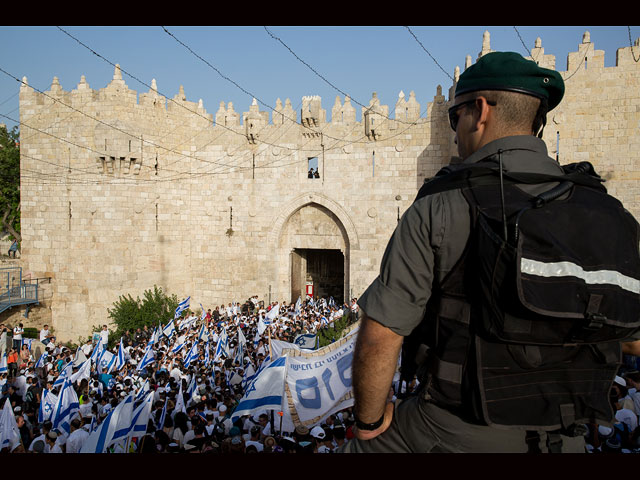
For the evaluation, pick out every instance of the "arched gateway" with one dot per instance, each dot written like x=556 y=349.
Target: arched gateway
x=312 y=239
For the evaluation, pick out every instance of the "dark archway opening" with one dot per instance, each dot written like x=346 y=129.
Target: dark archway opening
x=322 y=268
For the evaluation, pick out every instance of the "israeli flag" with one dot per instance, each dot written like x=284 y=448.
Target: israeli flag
x=179 y=407
x=107 y=361
x=97 y=351
x=120 y=357
x=83 y=372
x=47 y=404
x=144 y=389
x=207 y=357
x=298 y=306
x=241 y=338
x=140 y=417
x=147 y=359
x=191 y=356
x=113 y=429
x=64 y=375
x=201 y=333
x=182 y=306
x=192 y=387
x=332 y=302
x=221 y=347
x=66 y=408
x=155 y=336
x=9 y=433
x=239 y=354
x=3 y=363
x=307 y=341
x=266 y=392
x=272 y=314
x=179 y=345
x=262 y=326
x=169 y=329
x=204 y=314
x=163 y=415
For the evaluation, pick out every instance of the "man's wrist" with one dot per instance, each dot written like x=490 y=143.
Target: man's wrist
x=368 y=426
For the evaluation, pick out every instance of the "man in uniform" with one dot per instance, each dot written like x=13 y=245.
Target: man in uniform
x=500 y=106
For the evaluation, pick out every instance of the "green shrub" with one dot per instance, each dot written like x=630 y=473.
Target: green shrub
x=31 y=332
x=129 y=314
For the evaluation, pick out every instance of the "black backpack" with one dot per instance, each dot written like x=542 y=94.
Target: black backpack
x=552 y=287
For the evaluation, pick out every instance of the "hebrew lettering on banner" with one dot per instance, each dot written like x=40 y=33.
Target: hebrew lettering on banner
x=319 y=383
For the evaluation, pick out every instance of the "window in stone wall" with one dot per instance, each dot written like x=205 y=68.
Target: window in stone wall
x=312 y=167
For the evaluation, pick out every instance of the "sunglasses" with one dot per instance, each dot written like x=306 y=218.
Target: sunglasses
x=453 y=112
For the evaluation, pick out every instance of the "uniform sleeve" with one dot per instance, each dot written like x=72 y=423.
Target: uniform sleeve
x=398 y=296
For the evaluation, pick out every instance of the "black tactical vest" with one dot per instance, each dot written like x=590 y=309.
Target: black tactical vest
x=524 y=332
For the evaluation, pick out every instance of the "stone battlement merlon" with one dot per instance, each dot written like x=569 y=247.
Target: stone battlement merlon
x=586 y=58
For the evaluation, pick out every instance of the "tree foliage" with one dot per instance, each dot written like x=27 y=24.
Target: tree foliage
x=129 y=314
x=328 y=335
x=10 y=181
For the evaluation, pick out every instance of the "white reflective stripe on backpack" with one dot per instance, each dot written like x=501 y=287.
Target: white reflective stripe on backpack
x=569 y=269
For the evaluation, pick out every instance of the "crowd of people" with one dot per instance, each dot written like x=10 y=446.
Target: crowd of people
x=193 y=398
x=194 y=395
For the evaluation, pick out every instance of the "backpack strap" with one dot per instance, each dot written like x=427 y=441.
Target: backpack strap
x=487 y=172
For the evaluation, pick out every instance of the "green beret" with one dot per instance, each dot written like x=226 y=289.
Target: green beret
x=510 y=71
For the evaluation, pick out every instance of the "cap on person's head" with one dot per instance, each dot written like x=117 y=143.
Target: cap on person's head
x=302 y=430
x=222 y=408
x=510 y=71
x=620 y=381
x=52 y=435
x=318 y=432
x=235 y=432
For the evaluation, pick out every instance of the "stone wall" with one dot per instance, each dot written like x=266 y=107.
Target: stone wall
x=139 y=189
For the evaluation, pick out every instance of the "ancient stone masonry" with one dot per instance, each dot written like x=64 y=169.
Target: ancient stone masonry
x=137 y=189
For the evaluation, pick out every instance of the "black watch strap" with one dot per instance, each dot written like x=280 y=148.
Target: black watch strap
x=368 y=426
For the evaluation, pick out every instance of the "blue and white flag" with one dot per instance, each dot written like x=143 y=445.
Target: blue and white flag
x=83 y=372
x=163 y=415
x=191 y=389
x=272 y=314
x=66 y=408
x=241 y=338
x=3 y=364
x=307 y=341
x=113 y=429
x=9 y=433
x=144 y=389
x=169 y=329
x=97 y=351
x=140 y=417
x=192 y=355
x=47 y=404
x=107 y=361
x=120 y=357
x=298 y=306
x=207 y=357
x=155 y=337
x=239 y=354
x=332 y=302
x=179 y=345
x=201 y=333
x=179 y=407
x=40 y=363
x=182 y=306
x=64 y=375
x=204 y=314
x=262 y=326
x=266 y=392
x=28 y=342
x=147 y=359
x=221 y=347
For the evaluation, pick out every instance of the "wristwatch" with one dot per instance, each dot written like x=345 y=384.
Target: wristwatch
x=368 y=426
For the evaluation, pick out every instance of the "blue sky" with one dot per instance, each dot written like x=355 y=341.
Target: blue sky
x=237 y=63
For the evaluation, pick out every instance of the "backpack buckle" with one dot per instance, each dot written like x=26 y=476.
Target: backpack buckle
x=594 y=321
